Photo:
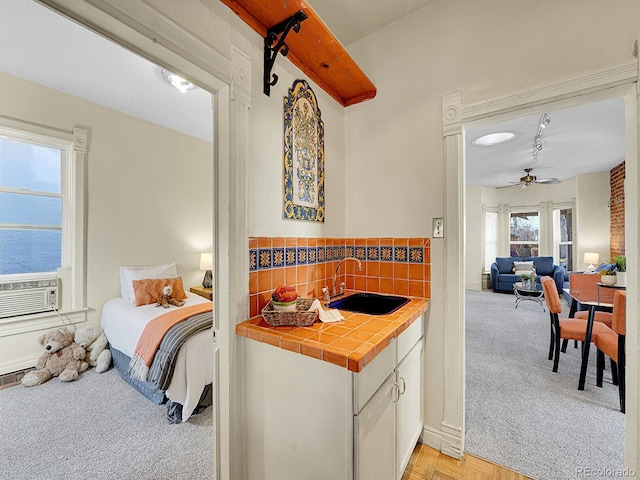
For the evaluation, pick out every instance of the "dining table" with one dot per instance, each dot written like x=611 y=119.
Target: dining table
x=602 y=300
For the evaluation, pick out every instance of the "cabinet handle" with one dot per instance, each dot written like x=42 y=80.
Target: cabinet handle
x=396 y=392
x=404 y=386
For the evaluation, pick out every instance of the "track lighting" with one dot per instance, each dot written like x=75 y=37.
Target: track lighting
x=537 y=144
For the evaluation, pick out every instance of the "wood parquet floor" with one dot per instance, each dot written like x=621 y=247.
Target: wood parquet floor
x=427 y=463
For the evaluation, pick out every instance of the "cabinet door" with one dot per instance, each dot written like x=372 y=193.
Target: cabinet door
x=409 y=405
x=374 y=434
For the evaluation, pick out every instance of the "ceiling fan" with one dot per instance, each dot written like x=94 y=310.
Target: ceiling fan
x=529 y=179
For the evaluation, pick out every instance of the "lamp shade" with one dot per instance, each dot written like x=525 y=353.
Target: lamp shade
x=591 y=258
x=206 y=261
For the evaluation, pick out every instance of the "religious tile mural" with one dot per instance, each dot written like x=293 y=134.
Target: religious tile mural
x=303 y=156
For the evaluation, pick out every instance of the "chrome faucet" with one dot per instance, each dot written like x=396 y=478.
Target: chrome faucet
x=337 y=292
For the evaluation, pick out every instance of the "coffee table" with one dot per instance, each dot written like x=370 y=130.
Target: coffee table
x=525 y=293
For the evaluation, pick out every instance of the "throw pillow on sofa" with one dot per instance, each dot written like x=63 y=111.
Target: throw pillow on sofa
x=505 y=264
x=523 y=267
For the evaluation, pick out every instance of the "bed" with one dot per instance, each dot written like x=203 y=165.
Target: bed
x=189 y=387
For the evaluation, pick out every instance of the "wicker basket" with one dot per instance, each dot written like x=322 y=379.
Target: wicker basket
x=302 y=317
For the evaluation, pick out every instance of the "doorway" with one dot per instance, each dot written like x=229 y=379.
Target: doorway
x=511 y=392
x=617 y=80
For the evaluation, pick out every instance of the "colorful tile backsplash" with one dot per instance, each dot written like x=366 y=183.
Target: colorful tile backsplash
x=399 y=266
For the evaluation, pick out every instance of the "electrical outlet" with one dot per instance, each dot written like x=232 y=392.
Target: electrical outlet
x=438 y=227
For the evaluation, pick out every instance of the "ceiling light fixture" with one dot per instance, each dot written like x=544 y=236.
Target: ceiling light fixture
x=493 y=139
x=177 y=81
x=537 y=143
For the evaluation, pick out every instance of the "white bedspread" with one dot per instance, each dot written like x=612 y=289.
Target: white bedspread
x=123 y=324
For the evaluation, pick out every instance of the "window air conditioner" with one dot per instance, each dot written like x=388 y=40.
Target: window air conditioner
x=30 y=296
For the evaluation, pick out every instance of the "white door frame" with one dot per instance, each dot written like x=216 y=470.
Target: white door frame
x=229 y=80
x=620 y=79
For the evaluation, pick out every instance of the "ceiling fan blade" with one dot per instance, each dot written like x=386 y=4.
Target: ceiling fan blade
x=549 y=181
x=514 y=184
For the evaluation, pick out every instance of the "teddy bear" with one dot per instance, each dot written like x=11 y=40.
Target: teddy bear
x=166 y=299
x=62 y=358
x=95 y=343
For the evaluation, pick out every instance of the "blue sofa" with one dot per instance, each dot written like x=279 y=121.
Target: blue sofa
x=503 y=278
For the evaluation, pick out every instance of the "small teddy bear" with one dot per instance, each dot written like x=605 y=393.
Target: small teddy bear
x=166 y=299
x=62 y=358
x=95 y=342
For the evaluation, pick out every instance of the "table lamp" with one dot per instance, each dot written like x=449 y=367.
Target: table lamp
x=206 y=263
x=591 y=258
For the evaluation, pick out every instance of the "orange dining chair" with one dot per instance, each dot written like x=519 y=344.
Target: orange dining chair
x=565 y=328
x=587 y=283
x=612 y=344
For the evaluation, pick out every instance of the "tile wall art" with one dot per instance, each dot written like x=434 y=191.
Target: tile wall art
x=399 y=266
x=303 y=156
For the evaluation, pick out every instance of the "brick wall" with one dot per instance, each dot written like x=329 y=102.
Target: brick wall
x=616 y=234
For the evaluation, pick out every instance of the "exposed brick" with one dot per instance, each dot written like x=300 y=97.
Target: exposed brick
x=616 y=205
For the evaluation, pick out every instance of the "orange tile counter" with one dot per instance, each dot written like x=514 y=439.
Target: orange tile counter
x=352 y=343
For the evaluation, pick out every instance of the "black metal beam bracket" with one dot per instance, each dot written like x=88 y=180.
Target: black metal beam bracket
x=274 y=45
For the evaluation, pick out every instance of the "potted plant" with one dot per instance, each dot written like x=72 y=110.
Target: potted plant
x=608 y=277
x=528 y=280
x=621 y=270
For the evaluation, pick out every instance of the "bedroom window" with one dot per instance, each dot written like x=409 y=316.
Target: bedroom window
x=42 y=195
x=524 y=231
x=31 y=202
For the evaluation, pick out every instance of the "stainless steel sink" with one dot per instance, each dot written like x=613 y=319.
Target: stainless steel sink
x=369 y=303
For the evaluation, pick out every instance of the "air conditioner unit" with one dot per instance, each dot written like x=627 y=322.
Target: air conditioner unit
x=29 y=296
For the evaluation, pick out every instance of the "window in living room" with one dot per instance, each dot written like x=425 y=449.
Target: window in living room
x=524 y=230
x=490 y=239
x=563 y=237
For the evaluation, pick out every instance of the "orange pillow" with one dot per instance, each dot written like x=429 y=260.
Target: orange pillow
x=149 y=290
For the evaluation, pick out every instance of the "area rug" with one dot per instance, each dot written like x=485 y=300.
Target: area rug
x=98 y=427
x=522 y=415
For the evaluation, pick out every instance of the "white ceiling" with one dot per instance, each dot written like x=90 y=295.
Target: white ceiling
x=584 y=139
x=53 y=51
x=351 y=20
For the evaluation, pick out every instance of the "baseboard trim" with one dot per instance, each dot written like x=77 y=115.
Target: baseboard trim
x=449 y=445
x=18 y=364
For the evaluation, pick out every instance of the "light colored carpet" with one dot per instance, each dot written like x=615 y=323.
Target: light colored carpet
x=522 y=415
x=98 y=427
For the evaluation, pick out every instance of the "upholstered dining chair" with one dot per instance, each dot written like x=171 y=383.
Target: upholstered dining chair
x=565 y=328
x=587 y=283
x=612 y=344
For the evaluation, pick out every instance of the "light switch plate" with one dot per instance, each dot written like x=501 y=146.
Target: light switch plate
x=438 y=227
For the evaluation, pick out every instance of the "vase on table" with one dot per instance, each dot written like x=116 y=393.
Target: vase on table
x=608 y=279
x=621 y=279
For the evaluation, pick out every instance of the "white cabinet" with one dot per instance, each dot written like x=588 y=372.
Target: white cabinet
x=306 y=418
x=375 y=442
x=409 y=405
x=387 y=428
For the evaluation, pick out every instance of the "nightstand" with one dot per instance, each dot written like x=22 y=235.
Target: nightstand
x=203 y=292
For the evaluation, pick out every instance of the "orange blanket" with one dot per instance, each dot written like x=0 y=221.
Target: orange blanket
x=153 y=334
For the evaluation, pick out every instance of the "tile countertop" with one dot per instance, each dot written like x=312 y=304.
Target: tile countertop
x=351 y=343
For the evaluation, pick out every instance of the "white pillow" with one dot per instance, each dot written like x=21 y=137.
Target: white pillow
x=522 y=267
x=130 y=273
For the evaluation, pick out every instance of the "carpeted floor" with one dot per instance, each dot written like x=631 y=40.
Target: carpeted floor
x=98 y=427
x=522 y=415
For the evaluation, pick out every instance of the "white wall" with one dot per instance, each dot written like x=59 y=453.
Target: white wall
x=149 y=195
x=594 y=217
x=482 y=50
